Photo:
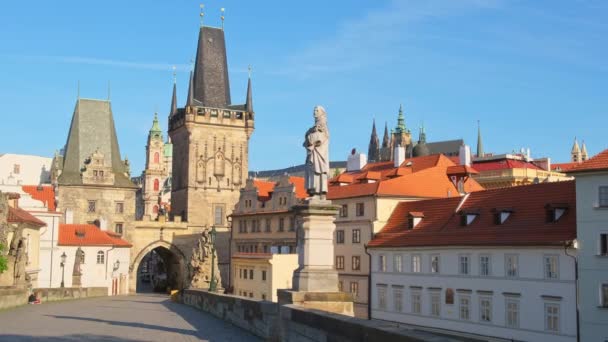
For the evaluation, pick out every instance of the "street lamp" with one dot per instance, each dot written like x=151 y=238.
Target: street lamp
x=63 y=259
x=574 y=244
x=212 y=282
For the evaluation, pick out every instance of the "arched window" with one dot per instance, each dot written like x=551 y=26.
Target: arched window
x=101 y=257
x=156 y=185
x=155 y=209
x=156 y=158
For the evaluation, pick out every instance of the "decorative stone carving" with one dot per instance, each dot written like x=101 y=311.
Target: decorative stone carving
x=316 y=143
x=201 y=263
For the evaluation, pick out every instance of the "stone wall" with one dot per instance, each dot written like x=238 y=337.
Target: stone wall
x=294 y=323
x=11 y=297
x=55 y=294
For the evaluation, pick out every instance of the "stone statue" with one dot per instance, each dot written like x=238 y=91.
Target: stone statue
x=316 y=143
x=77 y=271
x=201 y=263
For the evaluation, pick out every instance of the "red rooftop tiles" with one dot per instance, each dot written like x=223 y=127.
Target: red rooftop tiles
x=526 y=225
x=17 y=215
x=88 y=235
x=43 y=193
x=596 y=163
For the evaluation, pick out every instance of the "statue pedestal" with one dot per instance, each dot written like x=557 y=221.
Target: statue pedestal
x=315 y=281
x=76 y=281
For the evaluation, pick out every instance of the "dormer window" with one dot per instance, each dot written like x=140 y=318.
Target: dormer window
x=414 y=218
x=467 y=217
x=501 y=215
x=555 y=211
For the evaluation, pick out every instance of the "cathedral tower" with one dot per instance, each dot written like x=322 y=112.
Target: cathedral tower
x=210 y=139
x=401 y=136
x=576 y=153
x=373 y=152
x=156 y=172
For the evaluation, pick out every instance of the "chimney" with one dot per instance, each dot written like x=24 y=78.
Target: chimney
x=465 y=155
x=399 y=155
x=355 y=161
x=69 y=216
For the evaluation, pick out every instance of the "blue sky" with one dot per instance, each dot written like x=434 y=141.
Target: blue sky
x=534 y=72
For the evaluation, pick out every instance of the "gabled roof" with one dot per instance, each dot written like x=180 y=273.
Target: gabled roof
x=17 y=215
x=596 y=163
x=526 y=226
x=265 y=188
x=43 y=193
x=88 y=235
x=424 y=177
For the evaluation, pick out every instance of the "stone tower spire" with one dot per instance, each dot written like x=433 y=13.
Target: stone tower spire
x=211 y=83
x=174 y=100
x=576 y=152
x=386 y=140
x=584 y=155
x=190 y=100
x=249 y=101
x=479 y=142
x=374 y=145
x=400 y=121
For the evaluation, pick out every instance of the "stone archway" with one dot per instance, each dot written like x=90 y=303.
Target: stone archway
x=174 y=266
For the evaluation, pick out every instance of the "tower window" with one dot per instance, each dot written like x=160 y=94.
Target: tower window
x=156 y=158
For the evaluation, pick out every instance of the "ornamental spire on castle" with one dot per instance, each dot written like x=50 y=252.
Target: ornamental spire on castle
x=479 y=142
x=249 y=101
x=400 y=121
x=374 y=145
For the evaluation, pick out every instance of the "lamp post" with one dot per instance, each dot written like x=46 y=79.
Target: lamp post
x=63 y=259
x=212 y=282
x=574 y=244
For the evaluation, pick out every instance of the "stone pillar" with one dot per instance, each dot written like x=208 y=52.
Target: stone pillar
x=315 y=281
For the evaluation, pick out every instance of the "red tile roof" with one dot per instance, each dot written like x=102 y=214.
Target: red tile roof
x=265 y=188
x=525 y=226
x=563 y=167
x=424 y=177
x=596 y=163
x=504 y=164
x=88 y=235
x=17 y=215
x=43 y=193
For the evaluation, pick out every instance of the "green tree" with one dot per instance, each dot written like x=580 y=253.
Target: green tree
x=3 y=266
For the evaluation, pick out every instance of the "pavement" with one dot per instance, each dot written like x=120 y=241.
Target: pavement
x=150 y=317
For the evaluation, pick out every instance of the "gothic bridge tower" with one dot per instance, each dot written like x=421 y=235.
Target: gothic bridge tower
x=210 y=138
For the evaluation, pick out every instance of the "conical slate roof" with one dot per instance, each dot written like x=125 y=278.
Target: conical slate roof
x=211 y=83
x=92 y=129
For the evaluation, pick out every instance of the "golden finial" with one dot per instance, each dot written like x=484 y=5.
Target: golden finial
x=202 y=13
x=174 y=75
x=222 y=16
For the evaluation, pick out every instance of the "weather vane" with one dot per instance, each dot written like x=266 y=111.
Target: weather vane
x=202 y=13
x=222 y=16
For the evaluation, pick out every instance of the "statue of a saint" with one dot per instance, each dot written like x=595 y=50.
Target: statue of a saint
x=78 y=260
x=316 y=143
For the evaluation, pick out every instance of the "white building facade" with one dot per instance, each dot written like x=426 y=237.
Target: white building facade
x=592 y=237
x=18 y=169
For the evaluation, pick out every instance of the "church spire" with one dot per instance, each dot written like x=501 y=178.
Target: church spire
x=190 y=100
x=155 y=131
x=479 y=142
x=249 y=101
x=211 y=86
x=374 y=145
x=400 y=121
x=386 y=140
x=584 y=155
x=174 y=100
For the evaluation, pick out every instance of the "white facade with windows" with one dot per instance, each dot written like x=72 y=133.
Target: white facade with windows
x=520 y=293
x=592 y=236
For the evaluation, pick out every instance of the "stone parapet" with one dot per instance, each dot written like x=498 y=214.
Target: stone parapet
x=336 y=302
x=65 y=293
x=11 y=297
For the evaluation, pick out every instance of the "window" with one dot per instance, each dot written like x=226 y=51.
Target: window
x=281 y=224
x=16 y=169
x=484 y=265
x=512 y=307
x=118 y=228
x=381 y=297
x=382 y=263
x=416 y=263
x=250 y=274
x=604 y=295
x=292 y=224
x=552 y=317
x=603 y=196
x=416 y=305
x=434 y=263
x=244 y=273
x=339 y=262
x=551 y=266
x=250 y=294
x=511 y=265
x=101 y=257
x=354 y=288
x=156 y=158
x=397 y=263
x=92 y=205
x=435 y=303
x=360 y=209
x=463 y=265
x=398 y=298
x=267 y=222
x=156 y=185
x=464 y=305
x=356 y=235
x=344 y=210
x=356 y=263
x=485 y=309
x=604 y=244
x=340 y=236
x=263 y=296
x=218 y=215
x=263 y=275
x=120 y=207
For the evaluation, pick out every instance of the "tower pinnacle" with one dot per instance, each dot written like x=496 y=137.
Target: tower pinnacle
x=479 y=142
